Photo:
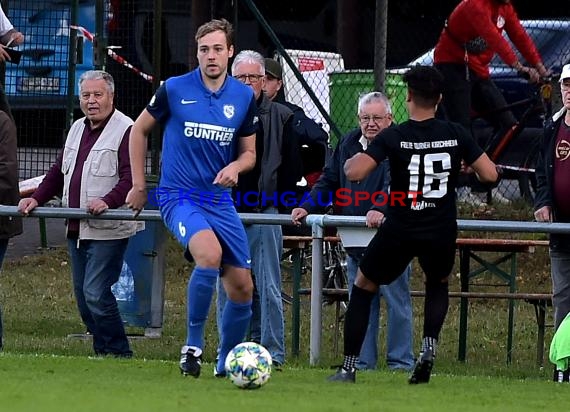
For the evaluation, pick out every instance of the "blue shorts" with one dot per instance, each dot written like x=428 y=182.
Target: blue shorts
x=184 y=219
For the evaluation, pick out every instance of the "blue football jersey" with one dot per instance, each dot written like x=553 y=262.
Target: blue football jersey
x=201 y=132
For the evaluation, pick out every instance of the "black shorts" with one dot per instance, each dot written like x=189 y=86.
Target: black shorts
x=391 y=250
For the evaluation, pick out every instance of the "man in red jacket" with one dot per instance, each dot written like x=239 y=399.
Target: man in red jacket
x=472 y=36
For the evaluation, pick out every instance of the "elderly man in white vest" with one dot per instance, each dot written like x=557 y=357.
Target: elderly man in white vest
x=93 y=172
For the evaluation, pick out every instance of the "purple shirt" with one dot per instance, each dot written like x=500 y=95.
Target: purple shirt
x=560 y=190
x=52 y=185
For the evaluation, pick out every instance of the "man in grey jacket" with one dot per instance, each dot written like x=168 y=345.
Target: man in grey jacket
x=258 y=192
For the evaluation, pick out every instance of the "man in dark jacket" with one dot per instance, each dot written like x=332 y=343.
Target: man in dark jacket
x=374 y=114
x=259 y=191
x=9 y=194
x=552 y=201
x=312 y=138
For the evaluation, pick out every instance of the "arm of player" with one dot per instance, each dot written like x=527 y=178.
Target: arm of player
x=485 y=169
x=228 y=176
x=359 y=167
x=136 y=198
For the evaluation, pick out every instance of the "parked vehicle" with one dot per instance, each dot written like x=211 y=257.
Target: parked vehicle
x=41 y=78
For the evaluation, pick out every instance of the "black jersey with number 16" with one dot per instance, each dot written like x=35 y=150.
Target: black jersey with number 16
x=425 y=160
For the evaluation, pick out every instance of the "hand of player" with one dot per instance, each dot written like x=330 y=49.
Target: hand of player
x=136 y=199
x=25 y=206
x=96 y=206
x=228 y=176
x=374 y=218
x=297 y=215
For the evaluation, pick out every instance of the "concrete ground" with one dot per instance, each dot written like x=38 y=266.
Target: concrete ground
x=29 y=242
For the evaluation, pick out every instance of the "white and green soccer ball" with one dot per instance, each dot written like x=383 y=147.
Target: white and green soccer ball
x=248 y=365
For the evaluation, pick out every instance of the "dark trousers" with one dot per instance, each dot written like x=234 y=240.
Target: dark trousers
x=463 y=95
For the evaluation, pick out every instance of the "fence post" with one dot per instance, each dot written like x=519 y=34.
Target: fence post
x=316 y=289
x=72 y=54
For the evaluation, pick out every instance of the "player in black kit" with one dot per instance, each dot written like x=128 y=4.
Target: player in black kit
x=425 y=156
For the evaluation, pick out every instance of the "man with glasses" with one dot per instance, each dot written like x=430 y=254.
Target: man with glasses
x=374 y=115
x=552 y=201
x=259 y=191
x=313 y=140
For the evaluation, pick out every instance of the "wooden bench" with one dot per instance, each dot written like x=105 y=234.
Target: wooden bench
x=503 y=252
x=506 y=251
x=27 y=188
x=540 y=301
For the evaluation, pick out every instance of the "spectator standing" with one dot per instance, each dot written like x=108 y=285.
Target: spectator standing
x=425 y=156
x=312 y=139
x=552 y=201
x=10 y=226
x=473 y=34
x=93 y=172
x=209 y=123
x=268 y=178
x=374 y=115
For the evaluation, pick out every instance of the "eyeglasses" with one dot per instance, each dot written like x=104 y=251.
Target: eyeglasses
x=565 y=85
x=365 y=119
x=253 y=78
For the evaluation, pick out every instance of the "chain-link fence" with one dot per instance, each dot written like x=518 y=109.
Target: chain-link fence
x=328 y=50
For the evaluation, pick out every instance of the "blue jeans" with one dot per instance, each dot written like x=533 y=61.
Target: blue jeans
x=3 y=248
x=399 y=335
x=267 y=320
x=96 y=266
x=560 y=274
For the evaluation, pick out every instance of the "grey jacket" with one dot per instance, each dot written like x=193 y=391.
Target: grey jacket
x=264 y=177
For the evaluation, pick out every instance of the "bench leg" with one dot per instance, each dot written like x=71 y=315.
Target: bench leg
x=43 y=233
x=336 y=328
x=296 y=309
x=540 y=313
x=464 y=257
x=512 y=289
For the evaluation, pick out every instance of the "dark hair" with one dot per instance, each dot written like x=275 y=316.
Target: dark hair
x=425 y=84
x=216 y=25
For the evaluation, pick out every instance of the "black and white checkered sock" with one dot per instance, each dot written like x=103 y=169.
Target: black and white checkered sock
x=429 y=343
x=349 y=363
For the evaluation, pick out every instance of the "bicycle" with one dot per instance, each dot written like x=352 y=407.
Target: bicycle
x=333 y=272
x=516 y=150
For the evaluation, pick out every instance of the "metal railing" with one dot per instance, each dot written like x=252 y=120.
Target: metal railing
x=317 y=223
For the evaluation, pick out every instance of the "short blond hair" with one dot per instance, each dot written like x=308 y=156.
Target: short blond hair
x=216 y=25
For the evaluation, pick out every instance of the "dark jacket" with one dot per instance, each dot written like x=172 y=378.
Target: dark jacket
x=9 y=193
x=269 y=175
x=333 y=179
x=313 y=140
x=544 y=179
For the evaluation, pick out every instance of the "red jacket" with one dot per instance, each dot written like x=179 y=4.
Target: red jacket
x=486 y=19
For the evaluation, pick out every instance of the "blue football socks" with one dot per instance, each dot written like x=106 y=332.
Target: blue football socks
x=235 y=321
x=200 y=291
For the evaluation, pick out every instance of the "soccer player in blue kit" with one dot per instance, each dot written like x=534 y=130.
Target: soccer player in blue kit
x=209 y=121
x=425 y=156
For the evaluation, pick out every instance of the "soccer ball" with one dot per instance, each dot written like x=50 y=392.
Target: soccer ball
x=248 y=365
